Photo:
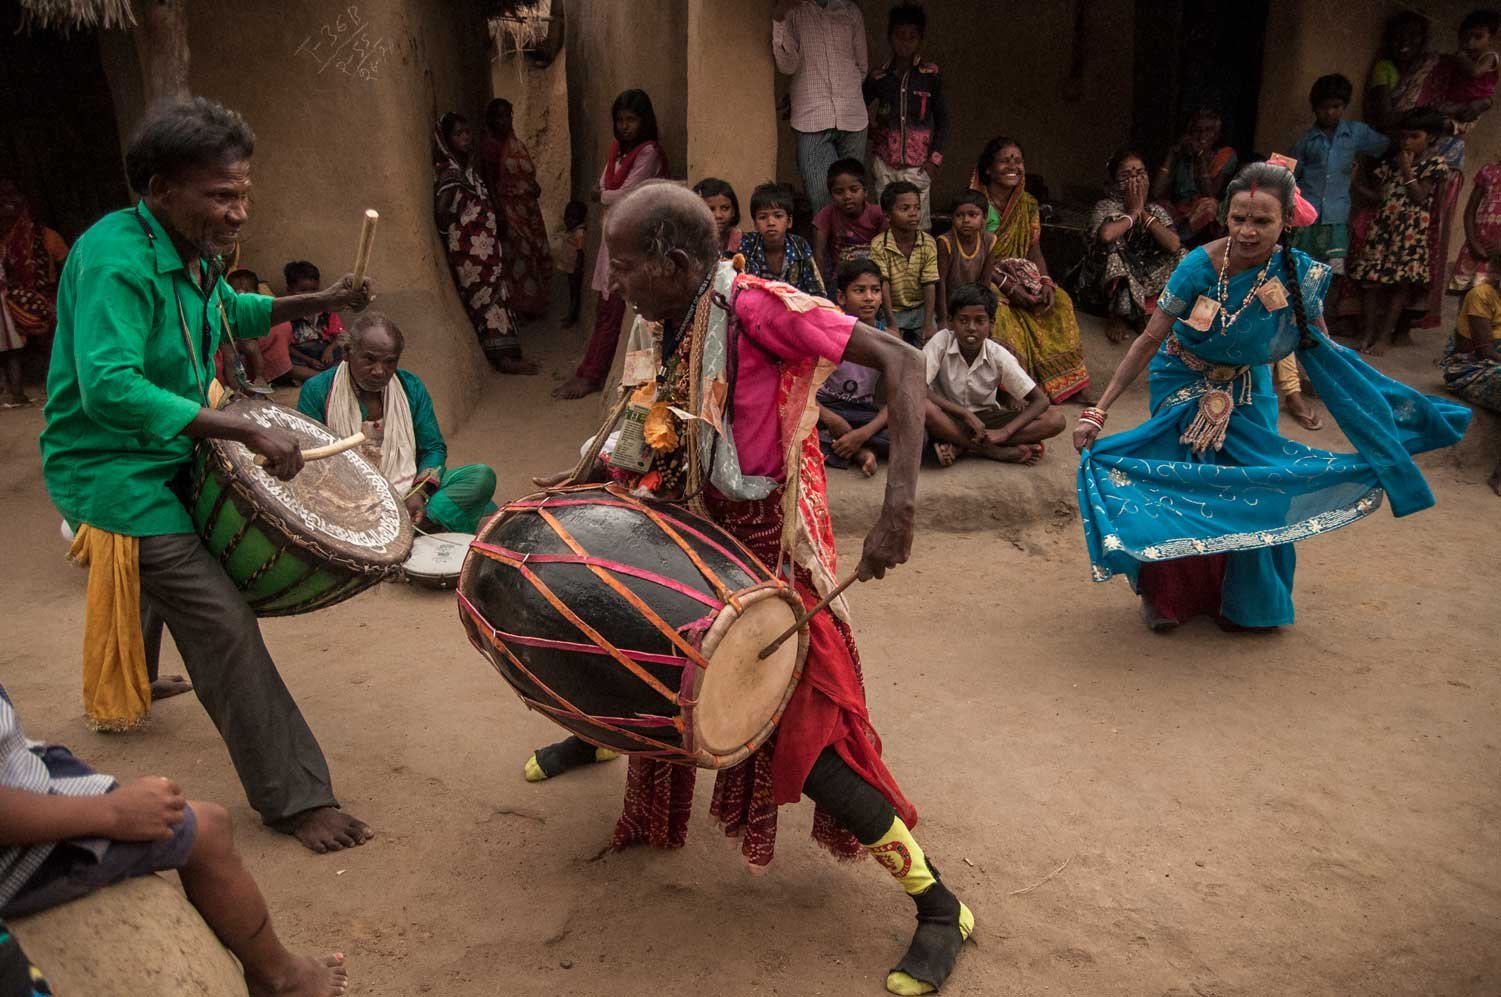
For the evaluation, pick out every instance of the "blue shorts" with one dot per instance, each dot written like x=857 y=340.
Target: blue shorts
x=80 y=866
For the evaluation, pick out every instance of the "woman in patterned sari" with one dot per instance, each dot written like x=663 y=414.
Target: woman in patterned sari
x=1036 y=318
x=1130 y=249
x=466 y=222
x=507 y=169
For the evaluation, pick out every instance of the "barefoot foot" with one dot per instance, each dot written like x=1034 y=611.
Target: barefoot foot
x=1302 y=412
x=575 y=387
x=326 y=829
x=866 y=459
x=1117 y=331
x=305 y=976
x=946 y=453
x=167 y=686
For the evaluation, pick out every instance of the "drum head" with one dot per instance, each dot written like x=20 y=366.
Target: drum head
x=339 y=507
x=437 y=558
x=740 y=699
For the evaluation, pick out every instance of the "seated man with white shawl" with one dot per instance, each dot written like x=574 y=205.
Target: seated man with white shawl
x=368 y=392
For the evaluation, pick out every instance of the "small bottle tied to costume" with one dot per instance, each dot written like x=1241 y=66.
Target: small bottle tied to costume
x=631 y=454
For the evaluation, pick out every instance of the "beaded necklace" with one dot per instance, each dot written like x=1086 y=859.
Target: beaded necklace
x=1222 y=291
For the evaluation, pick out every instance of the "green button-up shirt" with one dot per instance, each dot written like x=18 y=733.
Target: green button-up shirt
x=126 y=378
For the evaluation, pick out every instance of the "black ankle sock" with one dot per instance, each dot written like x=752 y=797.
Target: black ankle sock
x=569 y=753
x=936 y=943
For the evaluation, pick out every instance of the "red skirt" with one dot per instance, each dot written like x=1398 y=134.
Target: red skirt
x=827 y=709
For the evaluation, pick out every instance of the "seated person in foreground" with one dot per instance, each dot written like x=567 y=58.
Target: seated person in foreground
x=67 y=831
x=368 y=392
x=851 y=425
x=980 y=401
x=314 y=345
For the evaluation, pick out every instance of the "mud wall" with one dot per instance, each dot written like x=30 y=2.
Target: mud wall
x=343 y=100
x=732 y=130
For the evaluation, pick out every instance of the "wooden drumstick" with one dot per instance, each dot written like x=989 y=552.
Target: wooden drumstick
x=327 y=450
x=367 y=240
x=802 y=621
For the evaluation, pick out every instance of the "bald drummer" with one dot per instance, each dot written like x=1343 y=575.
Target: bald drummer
x=664 y=257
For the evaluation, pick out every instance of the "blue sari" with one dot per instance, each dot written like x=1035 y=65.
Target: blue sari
x=1146 y=497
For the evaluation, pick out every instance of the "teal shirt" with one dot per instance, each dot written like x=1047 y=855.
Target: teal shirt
x=431 y=450
x=124 y=381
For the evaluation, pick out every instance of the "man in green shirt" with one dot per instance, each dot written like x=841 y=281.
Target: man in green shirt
x=369 y=392
x=138 y=322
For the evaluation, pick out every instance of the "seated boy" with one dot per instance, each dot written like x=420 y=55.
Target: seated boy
x=846 y=225
x=773 y=252
x=980 y=400
x=908 y=258
x=314 y=345
x=851 y=425
x=67 y=831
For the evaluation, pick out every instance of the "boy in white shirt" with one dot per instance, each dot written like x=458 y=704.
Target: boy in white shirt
x=980 y=400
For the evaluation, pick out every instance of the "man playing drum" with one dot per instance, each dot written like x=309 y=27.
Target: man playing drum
x=368 y=391
x=759 y=350
x=140 y=308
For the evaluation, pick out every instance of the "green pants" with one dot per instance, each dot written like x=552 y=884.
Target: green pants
x=463 y=498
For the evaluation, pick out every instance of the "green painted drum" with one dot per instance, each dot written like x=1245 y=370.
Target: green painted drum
x=294 y=546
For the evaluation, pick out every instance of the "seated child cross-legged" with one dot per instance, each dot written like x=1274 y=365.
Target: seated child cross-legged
x=67 y=831
x=851 y=424
x=971 y=377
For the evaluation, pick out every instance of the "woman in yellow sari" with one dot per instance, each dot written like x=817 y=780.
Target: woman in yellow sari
x=1036 y=318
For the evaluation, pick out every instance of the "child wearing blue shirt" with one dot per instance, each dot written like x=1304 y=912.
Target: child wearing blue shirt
x=1326 y=158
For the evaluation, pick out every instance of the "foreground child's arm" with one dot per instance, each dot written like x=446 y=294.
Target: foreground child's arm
x=836 y=424
x=929 y=299
x=140 y=810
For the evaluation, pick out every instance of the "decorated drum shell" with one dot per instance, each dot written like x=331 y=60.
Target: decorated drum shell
x=295 y=546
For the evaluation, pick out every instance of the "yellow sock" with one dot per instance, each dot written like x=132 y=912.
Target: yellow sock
x=903 y=857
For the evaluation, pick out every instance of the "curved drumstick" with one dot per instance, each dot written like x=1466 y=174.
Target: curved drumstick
x=327 y=450
x=802 y=621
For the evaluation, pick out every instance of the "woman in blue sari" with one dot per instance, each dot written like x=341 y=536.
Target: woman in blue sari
x=1199 y=506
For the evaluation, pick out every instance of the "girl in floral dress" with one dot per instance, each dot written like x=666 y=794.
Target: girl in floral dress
x=1394 y=262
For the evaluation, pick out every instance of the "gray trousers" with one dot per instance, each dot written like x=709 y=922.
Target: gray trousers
x=275 y=754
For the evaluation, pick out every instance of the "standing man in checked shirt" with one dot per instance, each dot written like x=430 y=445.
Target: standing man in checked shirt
x=821 y=45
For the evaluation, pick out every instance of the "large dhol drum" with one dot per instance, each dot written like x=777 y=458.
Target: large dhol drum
x=295 y=546
x=635 y=625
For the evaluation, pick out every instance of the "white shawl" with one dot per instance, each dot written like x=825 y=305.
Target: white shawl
x=398 y=448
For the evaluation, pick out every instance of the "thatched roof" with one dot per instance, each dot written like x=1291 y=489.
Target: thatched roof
x=70 y=15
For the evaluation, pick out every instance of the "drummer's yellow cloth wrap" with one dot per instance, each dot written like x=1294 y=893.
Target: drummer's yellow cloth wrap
x=116 y=689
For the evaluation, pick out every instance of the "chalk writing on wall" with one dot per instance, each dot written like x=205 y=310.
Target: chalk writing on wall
x=347 y=44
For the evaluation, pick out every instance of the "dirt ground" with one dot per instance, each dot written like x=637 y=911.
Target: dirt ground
x=1310 y=812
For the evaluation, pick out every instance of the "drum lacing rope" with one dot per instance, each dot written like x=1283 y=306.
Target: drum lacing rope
x=564 y=707
x=615 y=585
